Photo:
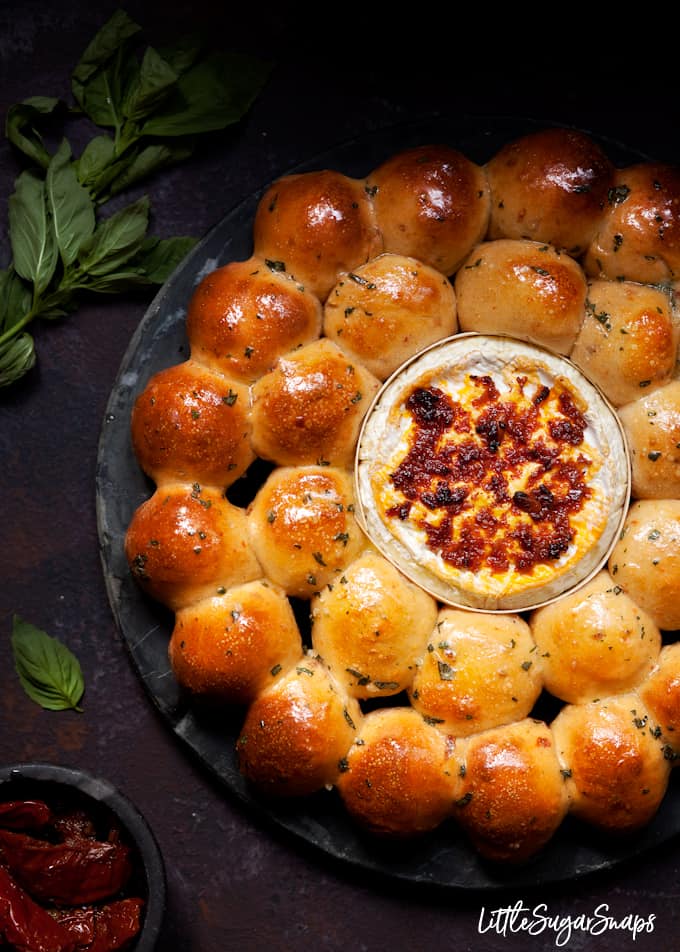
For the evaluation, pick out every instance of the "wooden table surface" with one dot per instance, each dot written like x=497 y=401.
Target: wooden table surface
x=234 y=882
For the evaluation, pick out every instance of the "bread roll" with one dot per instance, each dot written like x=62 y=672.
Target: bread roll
x=191 y=424
x=616 y=769
x=310 y=407
x=228 y=648
x=628 y=340
x=371 y=625
x=401 y=776
x=244 y=315
x=479 y=671
x=639 y=237
x=387 y=310
x=315 y=225
x=550 y=186
x=523 y=289
x=431 y=203
x=660 y=693
x=652 y=427
x=595 y=642
x=185 y=543
x=297 y=732
x=302 y=528
x=513 y=795
x=645 y=561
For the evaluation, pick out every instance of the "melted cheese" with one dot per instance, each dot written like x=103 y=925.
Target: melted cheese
x=492 y=473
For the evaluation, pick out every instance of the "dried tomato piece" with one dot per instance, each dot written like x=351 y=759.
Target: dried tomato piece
x=25 y=925
x=24 y=814
x=104 y=928
x=73 y=873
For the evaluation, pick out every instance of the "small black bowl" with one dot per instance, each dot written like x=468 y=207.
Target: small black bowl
x=71 y=787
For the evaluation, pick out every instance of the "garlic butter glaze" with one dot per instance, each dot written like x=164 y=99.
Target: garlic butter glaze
x=492 y=473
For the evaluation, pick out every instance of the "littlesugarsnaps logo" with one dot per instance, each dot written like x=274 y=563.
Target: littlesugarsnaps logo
x=510 y=920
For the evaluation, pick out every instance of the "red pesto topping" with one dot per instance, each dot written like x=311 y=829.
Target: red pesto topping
x=466 y=481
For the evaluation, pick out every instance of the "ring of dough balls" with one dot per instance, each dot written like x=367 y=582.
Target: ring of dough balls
x=347 y=279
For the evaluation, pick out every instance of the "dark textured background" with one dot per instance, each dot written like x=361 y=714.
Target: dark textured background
x=234 y=883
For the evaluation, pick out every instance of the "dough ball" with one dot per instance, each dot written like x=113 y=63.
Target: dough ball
x=645 y=561
x=387 y=310
x=479 y=671
x=551 y=186
x=513 y=794
x=628 y=340
x=594 y=642
x=244 y=315
x=315 y=225
x=297 y=732
x=310 y=407
x=401 y=775
x=191 y=424
x=660 y=694
x=639 y=237
x=523 y=289
x=371 y=625
x=652 y=427
x=185 y=543
x=431 y=203
x=302 y=527
x=617 y=773
x=228 y=648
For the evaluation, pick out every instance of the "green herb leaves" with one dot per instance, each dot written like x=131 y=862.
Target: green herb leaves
x=49 y=672
x=155 y=103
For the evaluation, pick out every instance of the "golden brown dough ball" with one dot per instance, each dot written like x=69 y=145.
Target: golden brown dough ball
x=401 y=776
x=550 y=185
x=191 y=424
x=639 y=237
x=229 y=647
x=302 y=527
x=523 y=289
x=479 y=671
x=513 y=795
x=652 y=428
x=661 y=695
x=616 y=769
x=185 y=543
x=244 y=315
x=595 y=642
x=315 y=225
x=309 y=409
x=297 y=732
x=645 y=561
x=387 y=310
x=628 y=340
x=370 y=627
x=432 y=203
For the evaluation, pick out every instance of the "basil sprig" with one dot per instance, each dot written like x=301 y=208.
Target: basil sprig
x=156 y=104
x=49 y=672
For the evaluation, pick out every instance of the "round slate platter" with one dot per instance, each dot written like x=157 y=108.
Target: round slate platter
x=443 y=858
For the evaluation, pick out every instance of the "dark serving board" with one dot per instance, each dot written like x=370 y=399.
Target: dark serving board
x=443 y=858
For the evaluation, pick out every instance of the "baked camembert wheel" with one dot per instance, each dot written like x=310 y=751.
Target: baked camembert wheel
x=492 y=473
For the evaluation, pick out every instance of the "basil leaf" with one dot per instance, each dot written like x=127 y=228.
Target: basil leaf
x=160 y=257
x=148 y=160
x=15 y=299
x=95 y=159
x=31 y=234
x=71 y=207
x=182 y=53
x=17 y=357
x=116 y=239
x=106 y=42
x=153 y=82
x=20 y=126
x=49 y=672
x=213 y=94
